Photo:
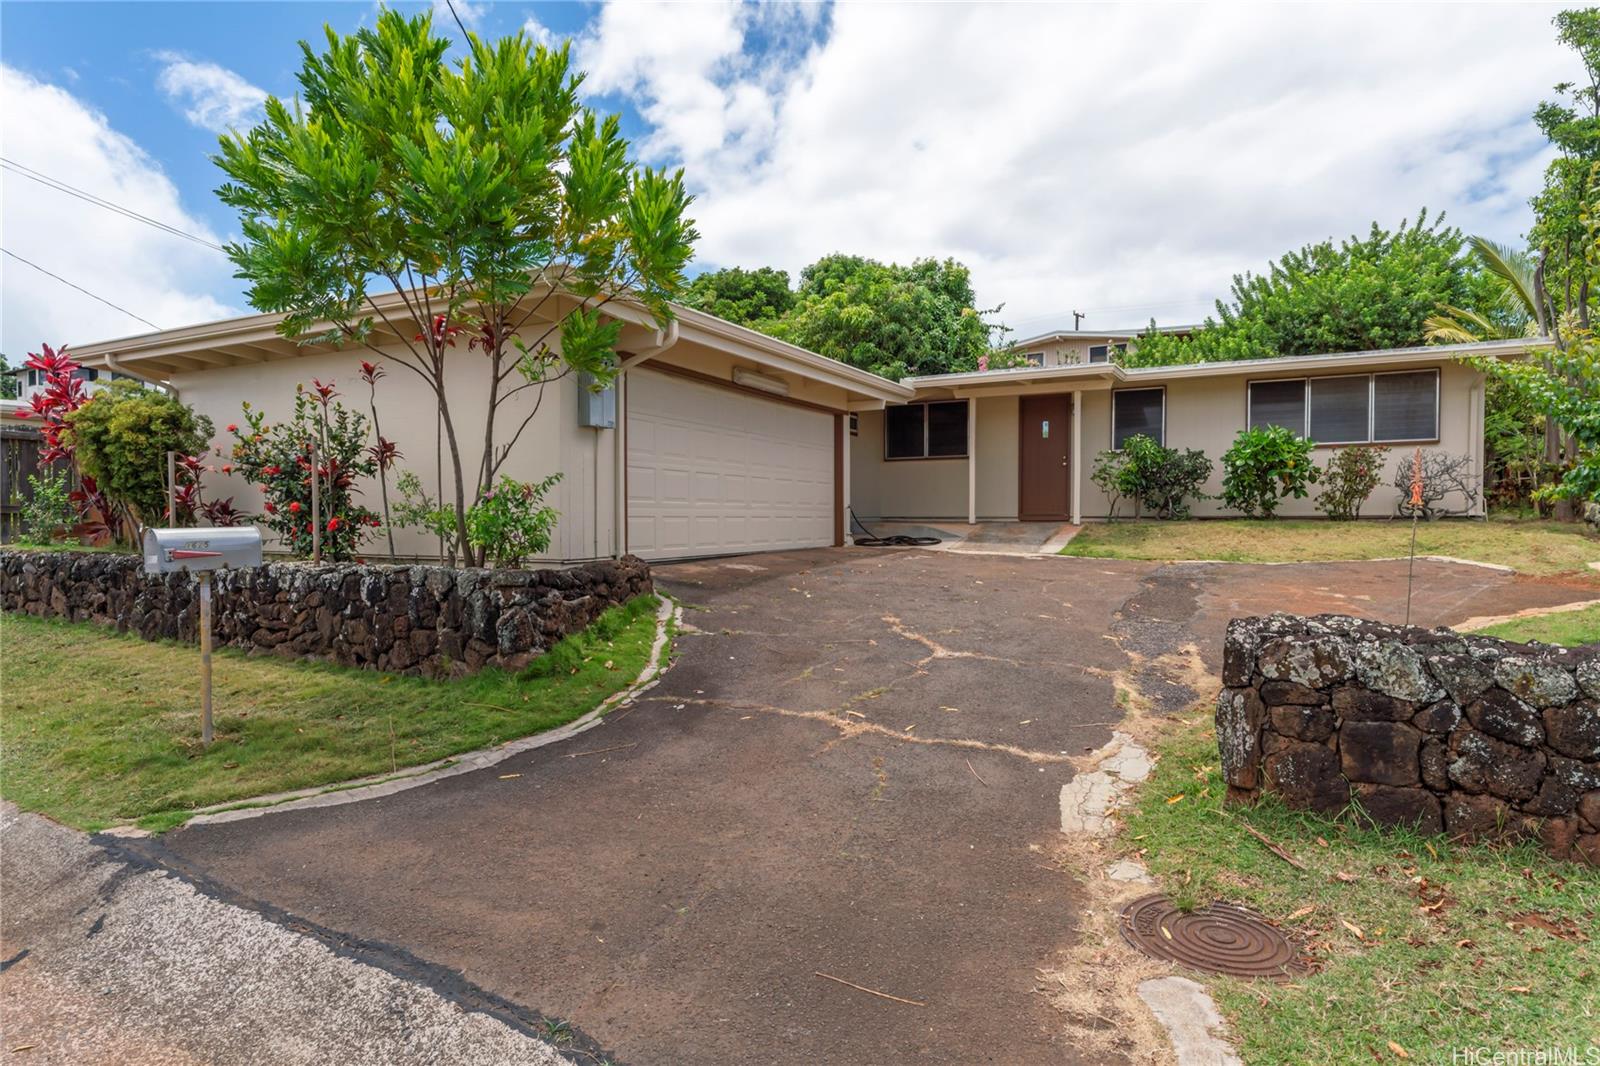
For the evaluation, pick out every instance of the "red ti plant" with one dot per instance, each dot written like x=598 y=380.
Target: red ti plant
x=384 y=452
x=63 y=393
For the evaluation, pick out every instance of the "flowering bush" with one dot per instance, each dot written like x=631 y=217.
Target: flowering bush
x=277 y=457
x=63 y=393
x=511 y=521
x=1265 y=466
x=1351 y=476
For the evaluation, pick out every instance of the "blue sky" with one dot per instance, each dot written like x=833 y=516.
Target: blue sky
x=1125 y=161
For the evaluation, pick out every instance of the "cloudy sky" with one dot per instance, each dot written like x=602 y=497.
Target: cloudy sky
x=1123 y=161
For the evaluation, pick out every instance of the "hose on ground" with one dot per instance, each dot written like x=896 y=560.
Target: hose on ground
x=897 y=540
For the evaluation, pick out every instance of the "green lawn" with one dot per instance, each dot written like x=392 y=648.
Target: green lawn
x=1421 y=943
x=1527 y=545
x=100 y=729
x=1568 y=628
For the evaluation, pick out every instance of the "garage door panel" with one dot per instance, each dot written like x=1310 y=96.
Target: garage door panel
x=712 y=471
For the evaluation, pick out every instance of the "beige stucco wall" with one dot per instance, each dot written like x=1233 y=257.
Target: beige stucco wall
x=407 y=412
x=1207 y=413
x=937 y=488
x=1204 y=413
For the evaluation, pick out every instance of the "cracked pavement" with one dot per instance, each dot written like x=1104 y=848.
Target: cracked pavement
x=854 y=769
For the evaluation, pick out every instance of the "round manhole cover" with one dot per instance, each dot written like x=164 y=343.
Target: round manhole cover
x=1220 y=938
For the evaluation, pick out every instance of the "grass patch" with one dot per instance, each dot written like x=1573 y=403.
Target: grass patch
x=100 y=729
x=1526 y=545
x=1464 y=974
x=1567 y=628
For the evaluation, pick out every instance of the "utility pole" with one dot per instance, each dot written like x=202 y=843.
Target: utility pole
x=1077 y=317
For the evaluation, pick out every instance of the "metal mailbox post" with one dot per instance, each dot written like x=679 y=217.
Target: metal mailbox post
x=169 y=551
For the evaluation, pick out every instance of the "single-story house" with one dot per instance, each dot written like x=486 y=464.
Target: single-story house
x=720 y=440
x=1065 y=346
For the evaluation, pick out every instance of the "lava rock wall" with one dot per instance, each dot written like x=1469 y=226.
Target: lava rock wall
x=431 y=620
x=1471 y=736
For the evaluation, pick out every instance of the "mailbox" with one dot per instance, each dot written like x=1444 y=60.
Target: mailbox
x=168 y=551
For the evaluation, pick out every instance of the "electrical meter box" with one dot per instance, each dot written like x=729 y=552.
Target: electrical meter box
x=597 y=410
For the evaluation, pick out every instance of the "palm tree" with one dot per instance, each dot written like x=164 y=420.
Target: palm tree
x=1513 y=311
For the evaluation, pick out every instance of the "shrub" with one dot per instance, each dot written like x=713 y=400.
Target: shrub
x=49 y=513
x=121 y=437
x=1264 y=466
x=278 y=459
x=1443 y=475
x=511 y=522
x=1351 y=476
x=1108 y=473
x=417 y=510
x=1162 y=480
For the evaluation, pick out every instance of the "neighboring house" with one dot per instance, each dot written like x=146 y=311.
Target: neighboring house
x=1068 y=347
x=1021 y=444
x=724 y=440
x=31 y=382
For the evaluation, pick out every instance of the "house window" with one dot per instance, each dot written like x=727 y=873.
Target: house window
x=1405 y=407
x=926 y=430
x=855 y=424
x=1351 y=408
x=1279 y=403
x=1101 y=353
x=1034 y=358
x=1340 y=409
x=1138 y=411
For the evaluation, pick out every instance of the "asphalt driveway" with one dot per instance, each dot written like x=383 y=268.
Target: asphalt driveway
x=853 y=769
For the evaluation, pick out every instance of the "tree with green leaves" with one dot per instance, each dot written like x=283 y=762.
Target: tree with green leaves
x=497 y=208
x=756 y=298
x=896 y=321
x=10 y=388
x=1362 y=293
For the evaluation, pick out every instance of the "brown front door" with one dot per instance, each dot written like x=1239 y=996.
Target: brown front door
x=1044 y=460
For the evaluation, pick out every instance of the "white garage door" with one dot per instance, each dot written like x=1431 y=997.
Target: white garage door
x=716 y=472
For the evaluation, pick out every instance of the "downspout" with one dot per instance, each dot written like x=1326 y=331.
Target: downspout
x=664 y=339
x=117 y=368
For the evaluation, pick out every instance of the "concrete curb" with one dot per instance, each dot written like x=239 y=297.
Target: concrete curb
x=367 y=788
x=1484 y=621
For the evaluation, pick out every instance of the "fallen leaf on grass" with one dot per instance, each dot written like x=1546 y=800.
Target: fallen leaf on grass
x=1301 y=913
x=1399 y=1052
x=1356 y=929
x=1321 y=843
x=1347 y=878
x=1174 y=799
x=1560 y=928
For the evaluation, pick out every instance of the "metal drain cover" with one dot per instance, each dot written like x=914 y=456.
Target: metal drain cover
x=1220 y=938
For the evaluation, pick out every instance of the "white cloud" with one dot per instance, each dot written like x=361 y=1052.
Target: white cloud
x=471 y=15
x=1125 y=161
x=540 y=33
x=210 y=96
x=162 y=278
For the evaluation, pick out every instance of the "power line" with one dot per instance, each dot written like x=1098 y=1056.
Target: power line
x=80 y=288
x=127 y=212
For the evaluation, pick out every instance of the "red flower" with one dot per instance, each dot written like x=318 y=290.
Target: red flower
x=294 y=507
x=272 y=508
x=233 y=427
x=371 y=372
x=333 y=523
x=227 y=468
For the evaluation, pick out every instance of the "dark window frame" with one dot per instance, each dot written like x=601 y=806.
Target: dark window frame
x=925 y=457
x=1162 y=389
